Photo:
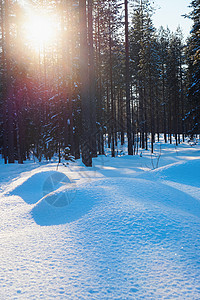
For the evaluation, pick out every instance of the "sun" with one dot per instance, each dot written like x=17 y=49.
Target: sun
x=41 y=30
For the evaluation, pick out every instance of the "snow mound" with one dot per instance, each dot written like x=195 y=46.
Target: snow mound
x=82 y=199
x=187 y=173
x=117 y=235
x=64 y=205
x=39 y=185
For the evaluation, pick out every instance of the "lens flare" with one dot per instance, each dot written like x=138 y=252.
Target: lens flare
x=41 y=30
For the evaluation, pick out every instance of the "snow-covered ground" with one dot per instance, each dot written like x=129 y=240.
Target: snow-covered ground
x=122 y=229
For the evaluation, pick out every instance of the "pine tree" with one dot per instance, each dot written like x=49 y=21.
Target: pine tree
x=193 y=54
x=85 y=95
x=127 y=80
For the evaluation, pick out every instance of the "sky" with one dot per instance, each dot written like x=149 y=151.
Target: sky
x=170 y=12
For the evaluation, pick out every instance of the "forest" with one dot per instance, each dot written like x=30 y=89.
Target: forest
x=79 y=76
x=99 y=151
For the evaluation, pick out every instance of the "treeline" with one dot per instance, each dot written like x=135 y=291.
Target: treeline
x=102 y=79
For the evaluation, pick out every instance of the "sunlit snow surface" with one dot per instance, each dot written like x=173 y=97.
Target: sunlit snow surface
x=127 y=231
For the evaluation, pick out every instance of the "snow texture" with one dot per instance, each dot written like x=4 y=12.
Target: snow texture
x=118 y=230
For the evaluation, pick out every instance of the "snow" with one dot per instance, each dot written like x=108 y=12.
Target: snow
x=118 y=230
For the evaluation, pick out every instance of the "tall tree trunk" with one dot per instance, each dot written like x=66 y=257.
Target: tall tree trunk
x=4 y=98
x=9 y=87
x=111 y=88
x=92 y=86
x=127 y=76
x=164 y=104
x=182 y=99
x=84 y=89
x=99 y=95
x=121 y=117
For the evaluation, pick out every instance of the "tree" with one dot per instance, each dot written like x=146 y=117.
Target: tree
x=84 y=90
x=193 y=77
x=127 y=80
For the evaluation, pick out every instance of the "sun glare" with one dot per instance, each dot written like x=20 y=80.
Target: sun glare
x=41 y=31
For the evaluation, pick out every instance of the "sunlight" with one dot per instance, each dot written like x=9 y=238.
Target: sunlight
x=41 y=30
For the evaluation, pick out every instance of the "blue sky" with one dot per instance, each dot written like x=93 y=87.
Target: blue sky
x=170 y=14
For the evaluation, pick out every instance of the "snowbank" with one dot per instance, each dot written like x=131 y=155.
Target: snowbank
x=116 y=231
x=186 y=172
